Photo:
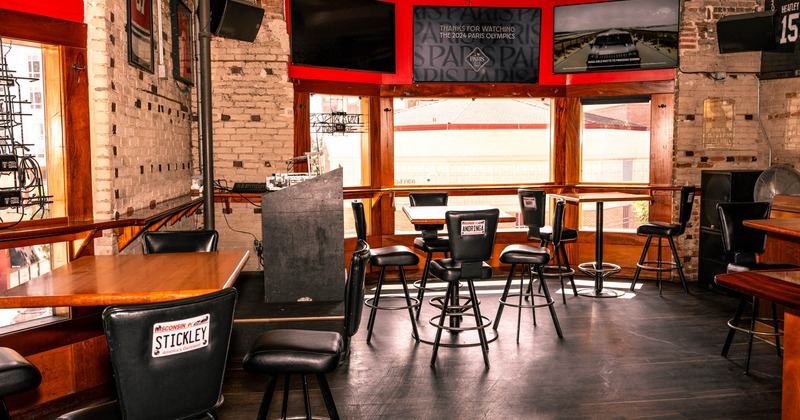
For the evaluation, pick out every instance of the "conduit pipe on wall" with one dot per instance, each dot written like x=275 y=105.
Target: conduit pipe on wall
x=206 y=138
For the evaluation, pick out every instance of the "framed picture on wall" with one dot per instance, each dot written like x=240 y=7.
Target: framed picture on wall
x=140 y=34
x=181 y=42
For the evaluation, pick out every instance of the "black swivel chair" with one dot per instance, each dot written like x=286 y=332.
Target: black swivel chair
x=387 y=256
x=532 y=206
x=742 y=245
x=308 y=352
x=17 y=375
x=430 y=242
x=663 y=230
x=168 y=358
x=157 y=242
x=471 y=235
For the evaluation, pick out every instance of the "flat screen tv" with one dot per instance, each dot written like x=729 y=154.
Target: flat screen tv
x=618 y=35
x=343 y=34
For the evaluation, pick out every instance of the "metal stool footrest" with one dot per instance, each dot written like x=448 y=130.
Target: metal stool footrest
x=467 y=304
x=369 y=303
x=652 y=265
x=757 y=333
x=550 y=302
x=418 y=284
x=550 y=271
x=590 y=269
x=485 y=322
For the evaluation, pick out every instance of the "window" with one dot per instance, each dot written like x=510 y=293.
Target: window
x=462 y=141
x=31 y=181
x=340 y=137
x=615 y=148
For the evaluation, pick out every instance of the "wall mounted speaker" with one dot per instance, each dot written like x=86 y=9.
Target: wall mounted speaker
x=747 y=32
x=236 y=19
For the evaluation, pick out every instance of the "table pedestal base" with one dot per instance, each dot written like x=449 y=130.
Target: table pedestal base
x=599 y=272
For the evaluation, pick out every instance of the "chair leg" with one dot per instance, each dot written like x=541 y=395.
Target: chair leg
x=306 y=399
x=375 y=302
x=735 y=321
x=476 y=310
x=4 y=411
x=519 y=303
x=549 y=299
x=570 y=272
x=408 y=302
x=659 y=265
x=775 y=329
x=641 y=261
x=327 y=396
x=504 y=296
x=423 y=282
x=440 y=327
x=267 y=398
x=678 y=265
x=751 y=335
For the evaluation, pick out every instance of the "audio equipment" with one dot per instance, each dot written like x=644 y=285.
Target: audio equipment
x=236 y=19
x=747 y=32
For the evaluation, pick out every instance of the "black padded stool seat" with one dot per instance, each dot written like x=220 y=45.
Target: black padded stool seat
x=661 y=230
x=399 y=256
x=295 y=351
x=310 y=352
x=17 y=374
x=531 y=258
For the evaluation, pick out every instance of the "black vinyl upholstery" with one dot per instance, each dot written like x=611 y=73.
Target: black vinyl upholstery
x=661 y=230
x=472 y=235
x=160 y=374
x=17 y=374
x=429 y=242
x=399 y=256
x=310 y=352
x=158 y=242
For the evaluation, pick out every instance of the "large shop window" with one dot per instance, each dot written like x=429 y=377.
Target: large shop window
x=463 y=141
x=615 y=148
x=31 y=163
x=340 y=137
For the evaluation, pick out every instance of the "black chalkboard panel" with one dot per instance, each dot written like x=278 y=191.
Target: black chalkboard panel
x=476 y=44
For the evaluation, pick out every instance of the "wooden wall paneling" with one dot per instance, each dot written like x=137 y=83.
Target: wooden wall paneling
x=621 y=89
x=302 y=128
x=43 y=29
x=382 y=158
x=503 y=90
x=662 y=126
x=78 y=148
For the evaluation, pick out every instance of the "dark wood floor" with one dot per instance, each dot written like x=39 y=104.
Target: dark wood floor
x=640 y=356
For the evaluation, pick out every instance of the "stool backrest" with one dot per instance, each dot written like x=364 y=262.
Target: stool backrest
x=740 y=242
x=471 y=234
x=687 y=201
x=359 y=220
x=354 y=288
x=558 y=221
x=532 y=206
x=428 y=199
x=169 y=357
x=180 y=241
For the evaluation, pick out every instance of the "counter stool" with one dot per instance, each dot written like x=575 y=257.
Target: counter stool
x=17 y=375
x=665 y=230
x=471 y=234
x=430 y=242
x=742 y=244
x=310 y=352
x=387 y=256
x=556 y=235
x=531 y=258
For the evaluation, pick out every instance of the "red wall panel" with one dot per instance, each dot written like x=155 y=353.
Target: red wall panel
x=71 y=10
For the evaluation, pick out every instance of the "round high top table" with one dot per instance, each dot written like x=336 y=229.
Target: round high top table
x=598 y=268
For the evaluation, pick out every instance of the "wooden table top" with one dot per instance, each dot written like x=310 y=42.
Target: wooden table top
x=779 y=286
x=434 y=215
x=784 y=226
x=602 y=197
x=125 y=279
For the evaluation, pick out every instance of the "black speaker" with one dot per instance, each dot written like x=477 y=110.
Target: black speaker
x=719 y=186
x=236 y=19
x=747 y=32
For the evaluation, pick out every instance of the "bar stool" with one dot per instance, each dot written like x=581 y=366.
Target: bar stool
x=556 y=235
x=430 y=242
x=531 y=258
x=669 y=231
x=387 y=256
x=17 y=375
x=742 y=244
x=471 y=234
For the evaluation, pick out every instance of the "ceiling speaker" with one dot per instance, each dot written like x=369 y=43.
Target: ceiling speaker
x=747 y=32
x=236 y=19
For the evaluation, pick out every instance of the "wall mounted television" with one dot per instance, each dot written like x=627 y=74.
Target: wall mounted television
x=343 y=34
x=616 y=35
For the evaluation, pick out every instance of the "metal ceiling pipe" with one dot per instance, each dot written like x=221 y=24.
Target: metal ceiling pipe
x=206 y=135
